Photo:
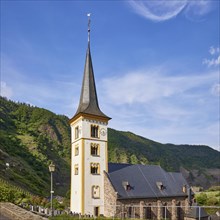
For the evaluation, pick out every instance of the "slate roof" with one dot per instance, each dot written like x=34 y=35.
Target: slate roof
x=144 y=181
x=88 y=103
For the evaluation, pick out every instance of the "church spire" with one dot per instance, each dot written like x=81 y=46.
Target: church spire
x=88 y=103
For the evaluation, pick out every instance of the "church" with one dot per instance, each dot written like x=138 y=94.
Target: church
x=110 y=189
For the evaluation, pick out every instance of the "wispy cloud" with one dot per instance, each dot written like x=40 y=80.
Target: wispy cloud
x=214 y=50
x=158 y=10
x=153 y=103
x=164 y=10
x=163 y=106
x=214 y=60
x=145 y=86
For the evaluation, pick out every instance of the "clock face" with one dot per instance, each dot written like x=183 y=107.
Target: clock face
x=103 y=132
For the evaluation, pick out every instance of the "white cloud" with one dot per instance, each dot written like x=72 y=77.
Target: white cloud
x=216 y=90
x=158 y=10
x=212 y=62
x=214 y=50
x=6 y=91
x=197 y=8
x=164 y=107
x=146 y=86
x=164 y=10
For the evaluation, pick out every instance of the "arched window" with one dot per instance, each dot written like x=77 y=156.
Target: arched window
x=129 y=212
x=76 y=150
x=95 y=149
x=148 y=212
x=76 y=132
x=164 y=212
x=94 y=167
x=179 y=211
x=95 y=131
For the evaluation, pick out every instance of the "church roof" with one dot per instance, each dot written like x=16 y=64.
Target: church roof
x=88 y=103
x=145 y=181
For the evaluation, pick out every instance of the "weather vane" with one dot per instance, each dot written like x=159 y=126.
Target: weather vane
x=88 y=15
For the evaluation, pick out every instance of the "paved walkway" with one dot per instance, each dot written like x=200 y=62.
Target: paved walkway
x=9 y=211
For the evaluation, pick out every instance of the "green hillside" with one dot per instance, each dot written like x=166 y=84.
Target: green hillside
x=32 y=137
x=130 y=148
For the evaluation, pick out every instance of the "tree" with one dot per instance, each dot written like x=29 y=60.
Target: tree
x=201 y=198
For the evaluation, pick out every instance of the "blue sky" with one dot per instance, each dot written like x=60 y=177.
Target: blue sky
x=156 y=63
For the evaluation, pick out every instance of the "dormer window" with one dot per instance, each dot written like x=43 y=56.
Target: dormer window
x=160 y=186
x=184 y=188
x=94 y=131
x=126 y=185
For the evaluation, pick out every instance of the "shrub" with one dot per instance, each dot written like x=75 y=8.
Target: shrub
x=212 y=201
x=201 y=198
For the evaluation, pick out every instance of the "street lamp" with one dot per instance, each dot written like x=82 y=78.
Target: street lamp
x=51 y=169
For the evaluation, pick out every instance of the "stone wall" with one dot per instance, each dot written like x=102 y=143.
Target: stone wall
x=110 y=197
x=172 y=208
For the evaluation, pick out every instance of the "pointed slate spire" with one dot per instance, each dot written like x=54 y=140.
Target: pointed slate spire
x=88 y=103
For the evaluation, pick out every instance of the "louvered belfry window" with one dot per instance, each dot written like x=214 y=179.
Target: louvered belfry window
x=94 y=131
x=94 y=149
x=94 y=168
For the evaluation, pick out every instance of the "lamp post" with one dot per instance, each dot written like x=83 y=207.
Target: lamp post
x=51 y=169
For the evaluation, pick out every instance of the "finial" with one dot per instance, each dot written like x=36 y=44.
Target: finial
x=89 y=14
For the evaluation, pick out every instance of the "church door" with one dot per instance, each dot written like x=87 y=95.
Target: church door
x=96 y=211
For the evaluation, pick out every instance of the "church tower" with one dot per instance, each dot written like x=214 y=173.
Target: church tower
x=89 y=154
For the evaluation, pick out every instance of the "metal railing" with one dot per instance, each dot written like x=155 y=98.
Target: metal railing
x=165 y=212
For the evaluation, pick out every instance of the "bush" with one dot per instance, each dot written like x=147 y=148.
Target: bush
x=201 y=198
x=212 y=201
x=7 y=194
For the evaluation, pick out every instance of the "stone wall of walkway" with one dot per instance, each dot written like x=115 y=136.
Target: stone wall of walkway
x=17 y=213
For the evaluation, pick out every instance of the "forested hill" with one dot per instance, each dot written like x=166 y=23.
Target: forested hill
x=127 y=147
x=32 y=137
